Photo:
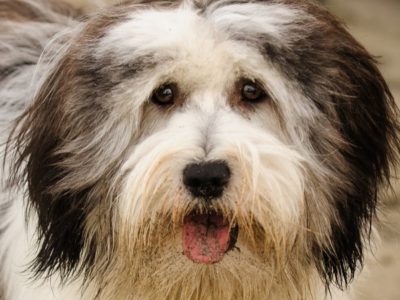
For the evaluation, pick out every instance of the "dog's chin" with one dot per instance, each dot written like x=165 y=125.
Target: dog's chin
x=207 y=237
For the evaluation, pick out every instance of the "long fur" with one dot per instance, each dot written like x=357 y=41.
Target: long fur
x=93 y=200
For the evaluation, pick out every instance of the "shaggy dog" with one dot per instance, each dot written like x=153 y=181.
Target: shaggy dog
x=193 y=149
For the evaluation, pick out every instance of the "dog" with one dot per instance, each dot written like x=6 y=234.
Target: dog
x=195 y=149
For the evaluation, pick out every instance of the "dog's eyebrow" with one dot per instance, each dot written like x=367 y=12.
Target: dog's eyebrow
x=108 y=72
x=130 y=68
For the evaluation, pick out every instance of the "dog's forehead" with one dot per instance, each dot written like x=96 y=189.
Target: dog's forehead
x=154 y=27
x=178 y=35
x=218 y=35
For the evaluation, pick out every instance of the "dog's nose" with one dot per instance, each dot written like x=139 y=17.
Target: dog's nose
x=206 y=180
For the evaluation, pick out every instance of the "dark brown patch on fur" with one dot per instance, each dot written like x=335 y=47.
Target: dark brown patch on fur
x=342 y=79
x=62 y=198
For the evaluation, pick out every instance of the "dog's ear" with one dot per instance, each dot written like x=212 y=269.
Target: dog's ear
x=367 y=121
x=60 y=154
x=38 y=138
x=346 y=85
x=342 y=79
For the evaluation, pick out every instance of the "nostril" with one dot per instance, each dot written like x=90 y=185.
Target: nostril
x=206 y=180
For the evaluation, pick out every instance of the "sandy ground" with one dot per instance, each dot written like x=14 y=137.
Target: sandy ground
x=376 y=24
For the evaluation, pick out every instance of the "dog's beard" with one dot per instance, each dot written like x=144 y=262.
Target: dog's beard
x=170 y=240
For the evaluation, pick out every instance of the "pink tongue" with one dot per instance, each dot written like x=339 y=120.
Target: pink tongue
x=205 y=238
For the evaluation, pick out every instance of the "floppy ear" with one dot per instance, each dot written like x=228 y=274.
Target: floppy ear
x=341 y=78
x=39 y=136
x=59 y=142
x=346 y=85
x=368 y=116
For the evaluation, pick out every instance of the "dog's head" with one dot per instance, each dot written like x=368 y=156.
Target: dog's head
x=221 y=147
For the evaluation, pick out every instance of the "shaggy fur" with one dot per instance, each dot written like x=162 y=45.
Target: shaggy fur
x=94 y=201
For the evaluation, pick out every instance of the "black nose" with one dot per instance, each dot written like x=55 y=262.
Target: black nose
x=206 y=180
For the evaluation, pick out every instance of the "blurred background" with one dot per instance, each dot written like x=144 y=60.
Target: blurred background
x=376 y=24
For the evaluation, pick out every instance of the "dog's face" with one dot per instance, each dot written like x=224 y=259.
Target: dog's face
x=227 y=148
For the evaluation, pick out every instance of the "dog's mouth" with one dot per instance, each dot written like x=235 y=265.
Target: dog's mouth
x=207 y=237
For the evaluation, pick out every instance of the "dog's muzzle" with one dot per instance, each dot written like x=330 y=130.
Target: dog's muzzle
x=206 y=237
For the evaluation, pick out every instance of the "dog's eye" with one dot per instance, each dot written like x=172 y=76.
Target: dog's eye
x=164 y=95
x=252 y=92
